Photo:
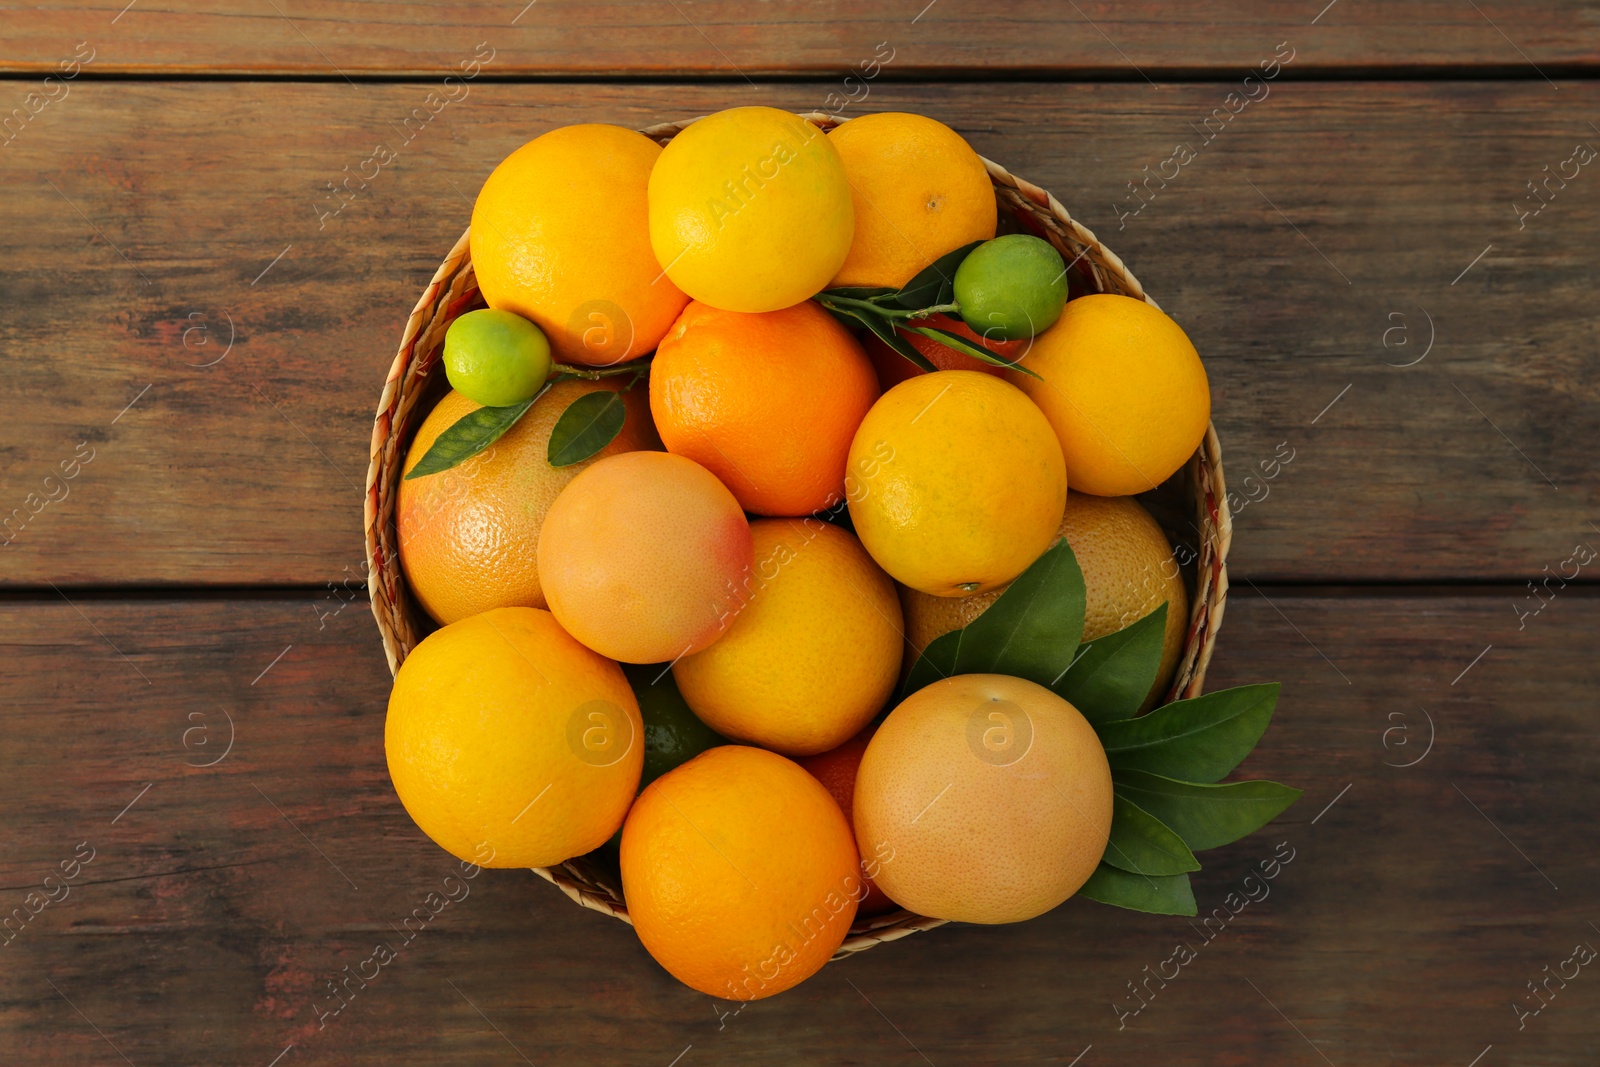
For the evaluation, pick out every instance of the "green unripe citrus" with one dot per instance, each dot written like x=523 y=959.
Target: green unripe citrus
x=1011 y=287
x=495 y=358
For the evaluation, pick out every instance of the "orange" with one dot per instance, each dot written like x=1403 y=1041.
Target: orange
x=469 y=535
x=750 y=209
x=919 y=191
x=768 y=403
x=957 y=482
x=814 y=654
x=991 y=796
x=893 y=368
x=644 y=556
x=740 y=873
x=1128 y=571
x=510 y=744
x=1125 y=390
x=836 y=770
x=561 y=236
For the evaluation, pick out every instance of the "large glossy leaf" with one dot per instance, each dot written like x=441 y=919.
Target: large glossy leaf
x=1159 y=895
x=1198 y=740
x=1031 y=631
x=1205 y=816
x=1142 y=844
x=589 y=424
x=935 y=284
x=1113 y=674
x=467 y=436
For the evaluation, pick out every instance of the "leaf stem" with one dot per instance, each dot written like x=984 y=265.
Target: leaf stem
x=884 y=312
x=567 y=372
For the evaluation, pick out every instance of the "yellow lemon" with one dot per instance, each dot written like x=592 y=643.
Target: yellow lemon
x=955 y=482
x=815 y=652
x=750 y=210
x=510 y=744
x=1125 y=390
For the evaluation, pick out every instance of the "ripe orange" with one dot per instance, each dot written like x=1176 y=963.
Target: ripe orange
x=919 y=191
x=814 y=654
x=469 y=535
x=893 y=368
x=836 y=770
x=992 y=796
x=768 y=402
x=957 y=482
x=1128 y=571
x=561 y=236
x=1125 y=391
x=644 y=556
x=740 y=873
x=750 y=209
x=510 y=744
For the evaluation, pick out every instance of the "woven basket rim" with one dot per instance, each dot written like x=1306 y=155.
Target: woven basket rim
x=451 y=288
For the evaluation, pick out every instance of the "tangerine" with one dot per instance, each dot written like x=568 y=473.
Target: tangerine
x=767 y=402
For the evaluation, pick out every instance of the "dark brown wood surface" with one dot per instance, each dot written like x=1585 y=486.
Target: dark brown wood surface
x=727 y=38
x=1328 y=236
x=221 y=901
x=192 y=689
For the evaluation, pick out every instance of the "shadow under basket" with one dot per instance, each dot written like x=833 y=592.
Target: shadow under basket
x=1191 y=505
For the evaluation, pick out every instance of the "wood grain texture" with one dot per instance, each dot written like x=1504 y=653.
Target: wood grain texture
x=219 y=903
x=1324 y=226
x=722 y=37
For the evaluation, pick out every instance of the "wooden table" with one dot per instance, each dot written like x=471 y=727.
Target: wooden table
x=200 y=835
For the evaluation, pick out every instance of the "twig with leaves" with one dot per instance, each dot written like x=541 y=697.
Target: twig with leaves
x=1167 y=766
x=590 y=423
x=886 y=312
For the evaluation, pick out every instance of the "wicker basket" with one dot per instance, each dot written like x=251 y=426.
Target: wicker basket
x=411 y=389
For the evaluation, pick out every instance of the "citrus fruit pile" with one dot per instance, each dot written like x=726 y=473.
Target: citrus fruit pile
x=781 y=533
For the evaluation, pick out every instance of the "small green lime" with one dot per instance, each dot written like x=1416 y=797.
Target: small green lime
x=672 y=734
x=1011 y=287
x=495 y=358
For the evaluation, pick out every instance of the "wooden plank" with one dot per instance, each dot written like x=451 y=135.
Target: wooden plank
x=1324 y=226
x=220 y=900
x=721 y=37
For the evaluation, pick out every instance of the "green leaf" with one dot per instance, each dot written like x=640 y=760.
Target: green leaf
x=1205 y=816
x=1143 y=844
x=1198 y=740
x=1113 y=674
x=589 y=424
x=1031 y=631
x=934 y=284
x=1159 y=895
x=859 y=292
x=966 y=347
x=884 y=331
x=469 y=435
